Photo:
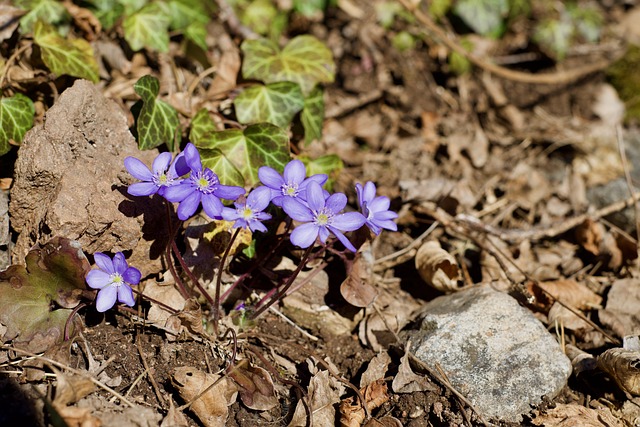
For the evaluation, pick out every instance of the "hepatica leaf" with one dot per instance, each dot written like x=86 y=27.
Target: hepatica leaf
x=37 y=299
x=312 y=115
x=148 y=27
x=274 y=103
x=258 y=145
x=73 y=57
x=16 y=118
x=158 y=121
x=304 y=60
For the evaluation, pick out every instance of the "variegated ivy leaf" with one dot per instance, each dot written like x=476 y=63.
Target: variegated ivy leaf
x=304 y=60
x=158 y=121
x=274 y=103
x=227 y=172
x=258 y=145
x=107 y=11
x=330 y=164
x=201 y=124
x=312 y=115
x=65 y=56
x=49 y=11
x=148 y=27
x=190 y=17
x=16 y=118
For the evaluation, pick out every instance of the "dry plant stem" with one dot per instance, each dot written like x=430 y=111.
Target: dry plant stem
x=72 y=370
x=234 y=341
x=627 y=175
x=216 y=298
x=403 y=254
x=557 y=78
x=73 y=313
x=444 y=376
x=156 y=389
x=155 y=301
x=287 y=285
x=172 y=235
x=11 y=59
x=189 y=273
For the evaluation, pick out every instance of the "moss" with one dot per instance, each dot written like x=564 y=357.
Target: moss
x=625 y=78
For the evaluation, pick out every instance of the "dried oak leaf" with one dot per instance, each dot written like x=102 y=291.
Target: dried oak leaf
x=572 y=293
x=624 y=367
x=437 y=267
x=577 y=416
x=37 y=298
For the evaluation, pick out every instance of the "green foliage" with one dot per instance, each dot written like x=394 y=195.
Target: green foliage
x=312 y=115
x=260 y=15
x=331 y=164
x=190 y=17
x=65 y=56
x=459 y=64
x=485 y=17
x=50 y=11
x=439 y=8
x=201 y=124
x=16 y=118
x=158 y=121
x=623 y=75
x=37 y=298
x=555 y=35
x=304 y=60
x=274 y=103
x=587 y=21
x=310 y=8
x=107 y=11
x=148 y=27
x=403 y=41
x=244 y=151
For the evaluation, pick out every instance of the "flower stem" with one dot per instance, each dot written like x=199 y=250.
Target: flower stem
x=67 y=324
x=172 y=235
x=286 y=286
x=189 y=273
x=216 y=300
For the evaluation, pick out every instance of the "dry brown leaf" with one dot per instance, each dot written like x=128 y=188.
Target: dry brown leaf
x=84 y=19
x=572 y=293
x=70 y=388
x=387 y=421
x=624 y=367
x=78 y=417
x=375 y=394
x=227 y=68
x=576 y=416
x=212 y=407
x=376 y=369
x=595 y=239
x=357 y=288
x=351 y=415
x=9 y=20
x=255 y=387
x=406 y=381
x=174 y=418
x=437 y=267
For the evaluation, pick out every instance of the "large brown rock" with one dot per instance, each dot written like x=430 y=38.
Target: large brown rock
x=70 y=181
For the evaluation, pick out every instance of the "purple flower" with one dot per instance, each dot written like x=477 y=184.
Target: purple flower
x=321 y=217
x=163 y=174
x=375 y=209
x=248 y=212
x=114 y=279
x=201 y=186
x=292 y=184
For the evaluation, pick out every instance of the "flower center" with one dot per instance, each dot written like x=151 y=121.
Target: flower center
x=117 y=280
x=206 y=181
x=247 y=213
x=290 y=189
x=323 y=217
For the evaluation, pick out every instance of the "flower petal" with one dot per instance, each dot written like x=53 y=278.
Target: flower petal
x=259 y=198
x=379 y=204
x=269 y=177
x=212 y=205
x=177 y=193
x=229 y=192
x=386 y=224
x=192 y=157
x=304 y=235
x=296 y=210
x=381 y=216
x=262 y=216
x=161 y=163
x=137 y=169
x=360 y=194
x=125 y=295
x=104 y=262
x=179 y=167
x=323 y=233
x=132 y=276
x=294 y=172
x=315 y=197
x=229 y=214
x=106 y=298
x=119 y=263
x=98 y=279
x=369 y=191
x=336 y=202
x=320 y=178
x=343 y=239
x=142 y=189
x=257 y=226
x=188 y=206
x=348 y=221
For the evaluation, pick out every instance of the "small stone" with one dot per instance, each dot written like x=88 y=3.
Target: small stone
x=493 y=351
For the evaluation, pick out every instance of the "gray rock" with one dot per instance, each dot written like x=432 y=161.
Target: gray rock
x=5 y=238
x=493 y=351
x=70 y=181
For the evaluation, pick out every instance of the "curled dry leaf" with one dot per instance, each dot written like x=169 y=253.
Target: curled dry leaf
x=351 y=412
x=576 y=416
x=624 y=367
x=595 y=239
x=174 y=418
x=406 y=381
x=255 y=386
x=572 y=293
x=211 y=407
x=357 y=289
x=376 y=369
x=437 y=267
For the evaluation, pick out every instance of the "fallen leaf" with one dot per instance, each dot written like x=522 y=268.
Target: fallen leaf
x=437 y=267
x=376 y=369
x=406 y=381
x=576 y=416
x=572 y=293
x=357 y=289
x=624 y=367
x=255 y=386
x=174 y=418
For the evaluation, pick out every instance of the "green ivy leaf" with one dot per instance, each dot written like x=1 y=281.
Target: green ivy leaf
x=197 y=33
x=64 y=56
x=312 y=115
x=186 y=12
x=331 y=164
x=274 y=103
x=201 y=124
x=259 y=16
x=310 y=8
x=16 y=118
x=304 y=60
x=485 y=17
x=148 y=27
x=227 y=172
x=107 y=11
x=555 y=35
x=158 y=121
x=258 y=145
x=49 y=11
x=38 y=298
